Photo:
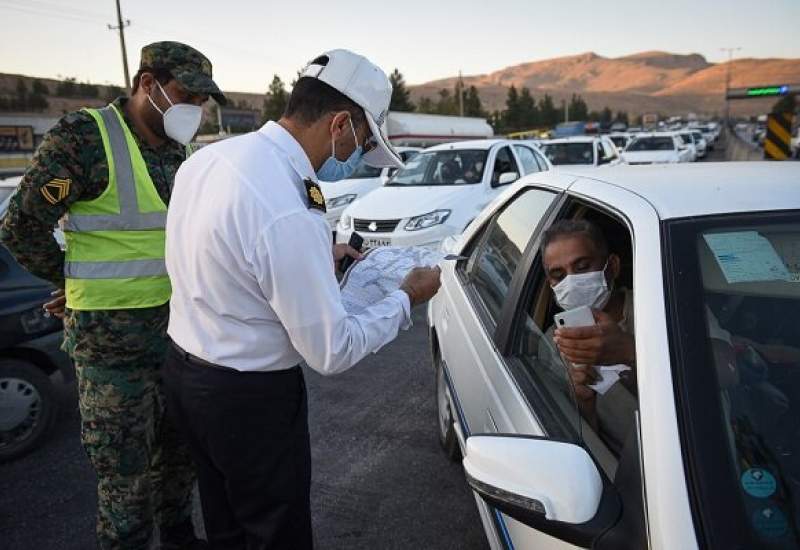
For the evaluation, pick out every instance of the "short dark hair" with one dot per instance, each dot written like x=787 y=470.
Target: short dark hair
x=311 y=99
x=569 y=228
x=163 y=76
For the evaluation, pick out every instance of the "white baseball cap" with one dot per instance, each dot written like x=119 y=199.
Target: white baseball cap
x=368 y=86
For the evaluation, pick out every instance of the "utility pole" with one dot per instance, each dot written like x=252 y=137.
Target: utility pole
x=728 y=82
x=121 y=27
x=460 y=94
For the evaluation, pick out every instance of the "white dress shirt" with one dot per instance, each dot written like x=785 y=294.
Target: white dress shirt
x=253 y=286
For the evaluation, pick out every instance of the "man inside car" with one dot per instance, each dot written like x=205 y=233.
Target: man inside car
x=582 y=272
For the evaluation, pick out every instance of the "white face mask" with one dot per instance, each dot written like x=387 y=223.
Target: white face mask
x=583 y=289
x=181 y=120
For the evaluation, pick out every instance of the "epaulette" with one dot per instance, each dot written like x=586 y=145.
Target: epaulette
x=316 y=199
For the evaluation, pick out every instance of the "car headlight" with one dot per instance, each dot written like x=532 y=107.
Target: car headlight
x=427 y=220
x=343 y=200
x=345 y=221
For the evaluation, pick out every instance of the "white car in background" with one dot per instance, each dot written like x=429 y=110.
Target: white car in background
x=438 y=193
x=581 y=151
x=656 y=148
x=699 y=447
x=339 y=194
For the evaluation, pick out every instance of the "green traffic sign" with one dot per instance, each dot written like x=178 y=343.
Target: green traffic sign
x=767 y=91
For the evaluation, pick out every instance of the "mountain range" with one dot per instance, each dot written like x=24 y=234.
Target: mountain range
x=651 y=81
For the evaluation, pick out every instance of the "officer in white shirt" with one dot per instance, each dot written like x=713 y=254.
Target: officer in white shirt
x=251 y=261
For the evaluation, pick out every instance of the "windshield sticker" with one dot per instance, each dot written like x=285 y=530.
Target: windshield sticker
x=746 y=257
x=770 y=522
x=759 y=483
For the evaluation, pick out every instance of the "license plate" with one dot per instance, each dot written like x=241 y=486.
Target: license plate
x=374 y=243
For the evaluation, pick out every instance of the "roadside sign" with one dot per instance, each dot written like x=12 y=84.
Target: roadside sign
x=16 y=139
x=777 y=142
x=771 y=90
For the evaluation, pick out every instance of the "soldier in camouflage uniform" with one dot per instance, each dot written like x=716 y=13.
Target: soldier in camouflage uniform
x=145 y=476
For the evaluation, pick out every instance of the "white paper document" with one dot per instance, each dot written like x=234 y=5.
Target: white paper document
x=610 y=376
x=746 y=257
x=380 y=273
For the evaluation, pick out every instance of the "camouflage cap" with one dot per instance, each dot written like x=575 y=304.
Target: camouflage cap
x=188 y=66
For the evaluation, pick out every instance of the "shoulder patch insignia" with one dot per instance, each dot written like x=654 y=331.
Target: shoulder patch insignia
x=315 y=198
x=56 y=190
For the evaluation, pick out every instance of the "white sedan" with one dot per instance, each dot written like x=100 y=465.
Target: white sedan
x=699 y=445
x=581 y=151
x=439 y=192
x=365 y=179
x=656 y=148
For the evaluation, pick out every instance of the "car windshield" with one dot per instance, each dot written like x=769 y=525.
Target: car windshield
x=364 y=171
x=697 y=135
x=450 y=167
x=570 y=153
x=651 y=144
x=738 y=310
x=687 y=138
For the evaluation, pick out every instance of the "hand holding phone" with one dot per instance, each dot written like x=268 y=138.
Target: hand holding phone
x=578 y=317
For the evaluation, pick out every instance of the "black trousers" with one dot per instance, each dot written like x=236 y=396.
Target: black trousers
x=248 y=436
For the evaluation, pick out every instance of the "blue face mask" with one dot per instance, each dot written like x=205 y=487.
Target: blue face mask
x=334 y=169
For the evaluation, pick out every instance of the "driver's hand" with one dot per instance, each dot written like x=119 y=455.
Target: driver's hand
x=602 y=344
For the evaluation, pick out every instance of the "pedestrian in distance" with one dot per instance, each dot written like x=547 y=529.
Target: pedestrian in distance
x=108 y=174
x=255 y=295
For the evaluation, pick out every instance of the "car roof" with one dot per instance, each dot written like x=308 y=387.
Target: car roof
x=572 y=139
x=470 y=144
x=670 y=133
x=702 y=189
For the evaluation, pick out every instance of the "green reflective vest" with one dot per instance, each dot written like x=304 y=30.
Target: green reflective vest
x=115 y=243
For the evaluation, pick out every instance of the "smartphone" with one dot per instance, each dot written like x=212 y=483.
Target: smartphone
x=356 y=241
x=578 y=317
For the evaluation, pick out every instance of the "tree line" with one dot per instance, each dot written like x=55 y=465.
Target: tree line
x=522 y=110
x=34 y=99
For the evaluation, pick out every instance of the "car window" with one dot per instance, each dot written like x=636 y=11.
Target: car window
x=612 y=419
x=652 y=144
x=605 y=423
x=447 y=167
x=364 y=170
x=493 y=261
x=569 y=153
x=527 y=158
x=504 y=163
x=738 y=286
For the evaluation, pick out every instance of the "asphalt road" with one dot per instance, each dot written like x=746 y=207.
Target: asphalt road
x=379 y=479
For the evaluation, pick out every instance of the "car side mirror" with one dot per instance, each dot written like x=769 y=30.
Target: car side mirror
x=507 y=177
x=551 y=486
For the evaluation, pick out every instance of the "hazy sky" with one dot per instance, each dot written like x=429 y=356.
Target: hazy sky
x=249 y=41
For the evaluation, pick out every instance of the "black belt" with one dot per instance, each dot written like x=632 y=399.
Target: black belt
x=194 y=360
